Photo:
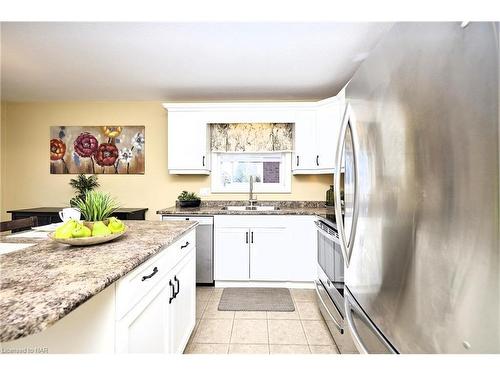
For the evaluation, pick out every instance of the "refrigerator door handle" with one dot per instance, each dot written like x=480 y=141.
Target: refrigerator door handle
x=346 y=244
x=336 y=183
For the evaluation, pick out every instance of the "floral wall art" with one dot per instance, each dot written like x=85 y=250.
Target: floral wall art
x=97 y=149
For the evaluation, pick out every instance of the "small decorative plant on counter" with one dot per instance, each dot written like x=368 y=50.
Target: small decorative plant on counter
x=99 y=226
x=188 y=199
x=82 y=184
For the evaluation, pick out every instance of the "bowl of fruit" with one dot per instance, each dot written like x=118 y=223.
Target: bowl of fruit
x=99 y=226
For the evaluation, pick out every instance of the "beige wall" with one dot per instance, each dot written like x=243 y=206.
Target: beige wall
x=27 y=181
x=3 y=127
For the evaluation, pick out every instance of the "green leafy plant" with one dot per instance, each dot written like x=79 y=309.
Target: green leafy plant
x=82 y=184
x=187 y=196
x=97 y=206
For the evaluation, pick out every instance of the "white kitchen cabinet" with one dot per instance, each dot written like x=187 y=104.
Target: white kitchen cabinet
x=316 y=131
x=302 y=254
x=231 y=252
x=316 y=137
x=182 y=307
x=269 y=254
x=303 y=159
x=188 y=143
x=162 y=321
x=145 y=329
x=264 y=248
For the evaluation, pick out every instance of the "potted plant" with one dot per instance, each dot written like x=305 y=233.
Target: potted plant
x=188 y=199
x=82 y=184
x=97 y=208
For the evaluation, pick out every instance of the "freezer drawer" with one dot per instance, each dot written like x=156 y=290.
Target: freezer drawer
x=366 y=336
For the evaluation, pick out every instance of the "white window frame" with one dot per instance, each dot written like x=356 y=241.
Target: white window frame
x=285 y=186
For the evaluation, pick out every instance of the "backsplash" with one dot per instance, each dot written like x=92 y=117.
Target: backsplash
x=251 y=137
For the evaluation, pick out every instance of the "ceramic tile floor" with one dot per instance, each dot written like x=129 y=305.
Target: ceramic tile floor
x=227 y=332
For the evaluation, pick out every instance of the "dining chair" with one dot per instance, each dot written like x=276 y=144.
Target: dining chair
x=19 y=224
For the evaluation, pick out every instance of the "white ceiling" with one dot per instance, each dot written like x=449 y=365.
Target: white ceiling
x=181 y=61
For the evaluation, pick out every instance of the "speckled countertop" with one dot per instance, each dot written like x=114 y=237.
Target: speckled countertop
x=43 y=283
x=285 y=208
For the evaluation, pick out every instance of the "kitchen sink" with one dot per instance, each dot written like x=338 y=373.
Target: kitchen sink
x=250 y=208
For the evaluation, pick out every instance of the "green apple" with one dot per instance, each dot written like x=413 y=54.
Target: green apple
x=100 y=229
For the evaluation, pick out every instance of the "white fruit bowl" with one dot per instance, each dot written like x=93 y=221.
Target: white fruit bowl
x=86 y=241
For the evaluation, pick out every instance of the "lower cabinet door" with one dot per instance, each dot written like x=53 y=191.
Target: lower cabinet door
x=182 y=308
x=144 y=329
x=269 y=254
x=231 y=253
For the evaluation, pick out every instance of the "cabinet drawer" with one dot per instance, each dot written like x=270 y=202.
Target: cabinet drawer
x=180 y=248
x=131 y=288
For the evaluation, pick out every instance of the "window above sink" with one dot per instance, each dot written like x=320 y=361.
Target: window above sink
x=231 y=172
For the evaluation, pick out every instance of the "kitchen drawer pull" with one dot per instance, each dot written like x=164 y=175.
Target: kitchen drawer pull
x=246 y=237
x=186 y=245
x=178 y=286
x=251 y=237
x=172 y=291
x=297 y=160
x=203 y=161
x=317 y=160
x=155 y=271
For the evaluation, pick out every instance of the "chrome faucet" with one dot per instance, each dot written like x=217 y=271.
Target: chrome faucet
x=251 y=198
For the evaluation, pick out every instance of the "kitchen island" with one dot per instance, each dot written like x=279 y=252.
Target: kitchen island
x=91 y=299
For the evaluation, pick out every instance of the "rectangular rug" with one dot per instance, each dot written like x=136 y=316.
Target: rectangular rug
x=256 y=299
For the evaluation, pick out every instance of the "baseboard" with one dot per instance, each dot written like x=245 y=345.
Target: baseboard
x=265 y=284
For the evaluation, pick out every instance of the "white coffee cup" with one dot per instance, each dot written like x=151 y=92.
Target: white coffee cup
x=69 y=213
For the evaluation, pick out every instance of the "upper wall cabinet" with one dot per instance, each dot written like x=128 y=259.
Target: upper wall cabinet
x=188 y=143
x=316 y=137
x=316 y=130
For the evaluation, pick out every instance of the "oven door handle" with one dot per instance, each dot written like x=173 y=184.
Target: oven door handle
x=339 y=326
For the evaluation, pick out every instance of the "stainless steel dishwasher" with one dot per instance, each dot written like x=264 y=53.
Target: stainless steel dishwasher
x=204 y=246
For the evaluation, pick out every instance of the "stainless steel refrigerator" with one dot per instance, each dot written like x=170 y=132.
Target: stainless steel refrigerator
x=419 y=141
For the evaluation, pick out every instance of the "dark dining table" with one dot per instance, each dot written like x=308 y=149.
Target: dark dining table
x=49 y=215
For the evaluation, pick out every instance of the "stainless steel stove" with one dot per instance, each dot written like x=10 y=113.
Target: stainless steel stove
x=330 y=283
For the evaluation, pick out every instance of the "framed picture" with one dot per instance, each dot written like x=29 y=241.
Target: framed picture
x=97 y=149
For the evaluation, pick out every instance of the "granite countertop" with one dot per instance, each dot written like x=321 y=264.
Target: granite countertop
x=210 y=208
x=43 y=283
